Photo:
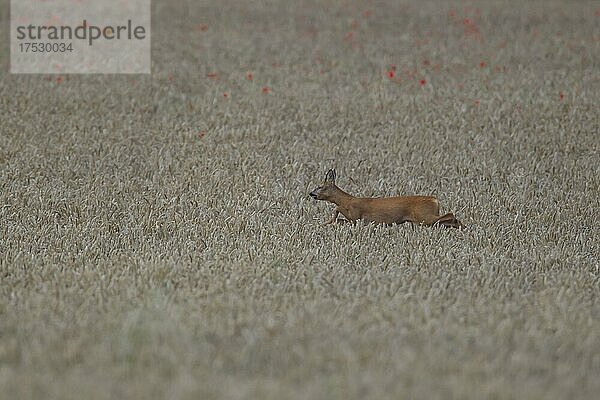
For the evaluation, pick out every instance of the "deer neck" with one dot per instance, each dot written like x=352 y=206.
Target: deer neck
x=339 y=197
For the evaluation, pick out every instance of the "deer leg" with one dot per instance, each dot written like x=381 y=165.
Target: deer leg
x=449 y=221
x=333 y=218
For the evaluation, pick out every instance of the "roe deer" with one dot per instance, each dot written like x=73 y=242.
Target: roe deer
x=388 y=210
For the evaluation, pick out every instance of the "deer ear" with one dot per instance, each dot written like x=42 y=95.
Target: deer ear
x=330 y=177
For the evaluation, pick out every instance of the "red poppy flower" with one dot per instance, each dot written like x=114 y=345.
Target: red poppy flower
x=422 y=82
x=266 y=90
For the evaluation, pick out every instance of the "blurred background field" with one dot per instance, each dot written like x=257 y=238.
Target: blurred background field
x=157 y=240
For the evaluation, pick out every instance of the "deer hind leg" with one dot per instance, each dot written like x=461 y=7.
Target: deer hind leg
x=449 y=221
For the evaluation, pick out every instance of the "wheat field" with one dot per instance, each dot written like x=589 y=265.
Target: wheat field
x=157 y=239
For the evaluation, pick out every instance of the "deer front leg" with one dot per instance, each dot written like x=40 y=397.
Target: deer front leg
x=333 y=218
x=449 y=220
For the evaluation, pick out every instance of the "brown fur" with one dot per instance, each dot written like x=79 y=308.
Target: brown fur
x=388 y=210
